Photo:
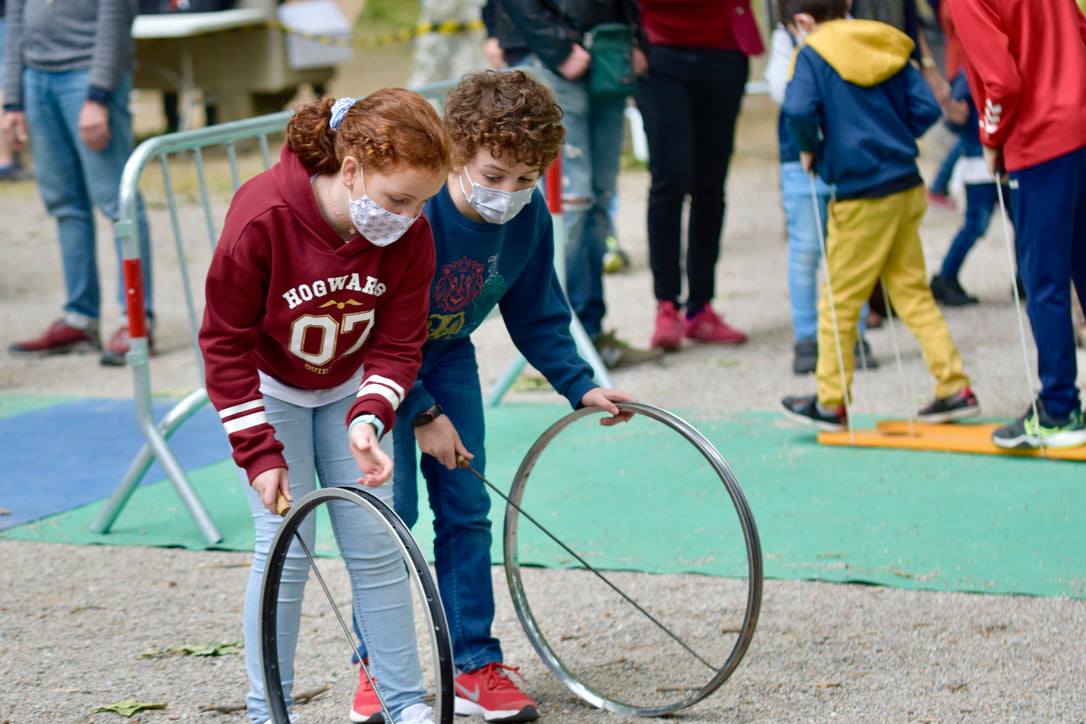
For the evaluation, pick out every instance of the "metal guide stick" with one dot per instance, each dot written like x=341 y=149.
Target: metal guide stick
x=833 y=308
x=1011 y=264
x=346 y=631
x=463 y=462
x=897 y=353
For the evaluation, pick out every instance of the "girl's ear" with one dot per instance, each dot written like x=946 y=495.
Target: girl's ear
x=348 y=169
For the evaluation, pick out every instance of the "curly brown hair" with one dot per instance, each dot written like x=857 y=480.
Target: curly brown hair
x=386 y=128
x=505 y=112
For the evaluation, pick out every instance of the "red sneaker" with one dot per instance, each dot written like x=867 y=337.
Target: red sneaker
x=366 y=707
x=118 y=345
x=707 y=326
x=60 y=338
x=668 y=332
x=489 y=693
x=942 y=201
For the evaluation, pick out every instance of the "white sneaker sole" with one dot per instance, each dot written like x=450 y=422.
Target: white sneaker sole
x=1072 y=438
x=811 y=422
x=466 y=707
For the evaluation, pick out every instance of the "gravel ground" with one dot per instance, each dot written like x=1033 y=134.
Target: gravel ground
x=73 y=621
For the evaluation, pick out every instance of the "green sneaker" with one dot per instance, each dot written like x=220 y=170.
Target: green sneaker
x=616 y=353
x=1028 y=431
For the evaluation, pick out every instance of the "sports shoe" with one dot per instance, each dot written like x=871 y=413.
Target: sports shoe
x=705 y=325
x=118 y=345
x=615 y=260
x=616 y=353
x=667 y=334
x=416 y=714
x=949 y=292
x=958 y=406
x=942 y=201
x=14 y=172
x=60 y=338
x=807 y=411
x=366 y=707
x=489 y=693
x=805 y=356
x=1028 y=432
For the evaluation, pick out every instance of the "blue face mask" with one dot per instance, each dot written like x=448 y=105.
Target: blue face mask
x=494 y=205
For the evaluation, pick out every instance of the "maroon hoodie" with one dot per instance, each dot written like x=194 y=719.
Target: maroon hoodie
x=288 y=297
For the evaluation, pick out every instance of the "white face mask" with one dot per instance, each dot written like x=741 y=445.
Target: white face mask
x=494 y=205
x=380 y=226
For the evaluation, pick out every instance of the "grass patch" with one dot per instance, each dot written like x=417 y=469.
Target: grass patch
x=381 y=16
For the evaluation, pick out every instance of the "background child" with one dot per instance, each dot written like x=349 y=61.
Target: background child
x=856 y=104
x=316 y=313
x=495 y=246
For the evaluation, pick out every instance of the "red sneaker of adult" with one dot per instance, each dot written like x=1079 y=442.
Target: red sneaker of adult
x=60 y=338
x=489 y=693
x=113 y=355
x=668 y=330
x=707 y=326
x=367 y=707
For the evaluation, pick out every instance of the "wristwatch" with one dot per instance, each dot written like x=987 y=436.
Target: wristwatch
x=427 y=416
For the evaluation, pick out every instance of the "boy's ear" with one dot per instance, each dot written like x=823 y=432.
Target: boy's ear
x=803 y=23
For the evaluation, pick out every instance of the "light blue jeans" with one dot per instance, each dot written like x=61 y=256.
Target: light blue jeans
x=315 y=446
x=73 y=180
x=590 y=161
x=804 y=248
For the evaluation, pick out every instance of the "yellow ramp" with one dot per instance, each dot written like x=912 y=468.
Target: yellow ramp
x=975 y=439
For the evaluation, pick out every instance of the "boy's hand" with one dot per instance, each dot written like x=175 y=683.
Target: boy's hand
x=605 y=399
x=440 y=440
x=374 y=463
x=993 y=159
x=807 y=160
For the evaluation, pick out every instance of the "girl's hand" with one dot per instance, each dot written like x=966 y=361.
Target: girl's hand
x=605 y=399
x=374 y=463
x=269 y=485
x=439 y=438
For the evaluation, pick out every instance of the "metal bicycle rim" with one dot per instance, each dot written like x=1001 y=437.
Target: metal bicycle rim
x=750 y=535
x=438 y=630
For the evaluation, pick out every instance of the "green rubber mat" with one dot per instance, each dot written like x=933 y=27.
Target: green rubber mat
x=639 y=497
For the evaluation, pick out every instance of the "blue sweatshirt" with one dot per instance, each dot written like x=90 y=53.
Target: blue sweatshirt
x=511 y=265
x=858 y=104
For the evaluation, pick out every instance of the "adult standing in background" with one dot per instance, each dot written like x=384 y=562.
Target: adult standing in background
x=698 y=63
x=10 y=169
x=444 y=56
x=68 y=75
x=1026 y=65
x=548 y=39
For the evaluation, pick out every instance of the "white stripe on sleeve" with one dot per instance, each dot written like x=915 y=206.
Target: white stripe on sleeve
x=387 y=383
x=243 y=423
x=375 y=389
x=243 y=407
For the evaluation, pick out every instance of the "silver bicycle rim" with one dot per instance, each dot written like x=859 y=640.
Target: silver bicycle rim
x=520 y=599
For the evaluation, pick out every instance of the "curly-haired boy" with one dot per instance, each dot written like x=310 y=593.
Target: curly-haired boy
x=495 y=246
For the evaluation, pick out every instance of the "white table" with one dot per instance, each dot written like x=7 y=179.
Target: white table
x=186 y=26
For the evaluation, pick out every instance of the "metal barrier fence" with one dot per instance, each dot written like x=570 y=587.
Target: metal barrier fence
x=195 y=144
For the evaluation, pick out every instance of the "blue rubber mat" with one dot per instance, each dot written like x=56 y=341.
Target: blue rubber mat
x=66 y=455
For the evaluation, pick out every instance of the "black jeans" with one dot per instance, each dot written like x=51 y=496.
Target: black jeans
x=689 y=101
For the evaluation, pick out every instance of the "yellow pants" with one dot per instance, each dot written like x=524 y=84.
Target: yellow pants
x=868 y=240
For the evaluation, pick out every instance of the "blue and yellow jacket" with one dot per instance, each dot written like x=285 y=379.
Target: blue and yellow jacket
x=857 y=102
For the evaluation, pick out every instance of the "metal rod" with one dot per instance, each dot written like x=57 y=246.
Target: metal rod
x=343 y=624
x=462 y=462
x=1018 y=311
x=205 y=199
x=833 y=310
x=183 y=265
x=897 y=352
x=232 y=155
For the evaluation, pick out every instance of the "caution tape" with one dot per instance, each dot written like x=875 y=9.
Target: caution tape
x=449 y=27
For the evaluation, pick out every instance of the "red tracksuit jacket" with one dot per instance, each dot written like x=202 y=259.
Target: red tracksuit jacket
x=286 y=296
x=1027 y=73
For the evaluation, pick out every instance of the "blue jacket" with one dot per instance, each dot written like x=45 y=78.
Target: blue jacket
x=482 y=265
x=858 y=104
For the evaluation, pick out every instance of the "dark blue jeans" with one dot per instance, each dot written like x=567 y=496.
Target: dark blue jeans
x=460 y=503
x=980 y=201
x=941 y=184
x=1051 y=215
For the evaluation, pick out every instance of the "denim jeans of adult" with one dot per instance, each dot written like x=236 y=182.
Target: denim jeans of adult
x=1050 y=216
x=941 y=185
x=804 y=247
x=460 y=503
x=980 y=201
x=315 y=447
x=689 y=101
x=590 y=160
x=74 y=180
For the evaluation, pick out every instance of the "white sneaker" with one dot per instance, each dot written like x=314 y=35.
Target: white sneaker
x=294 y=719
x=416 y=714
